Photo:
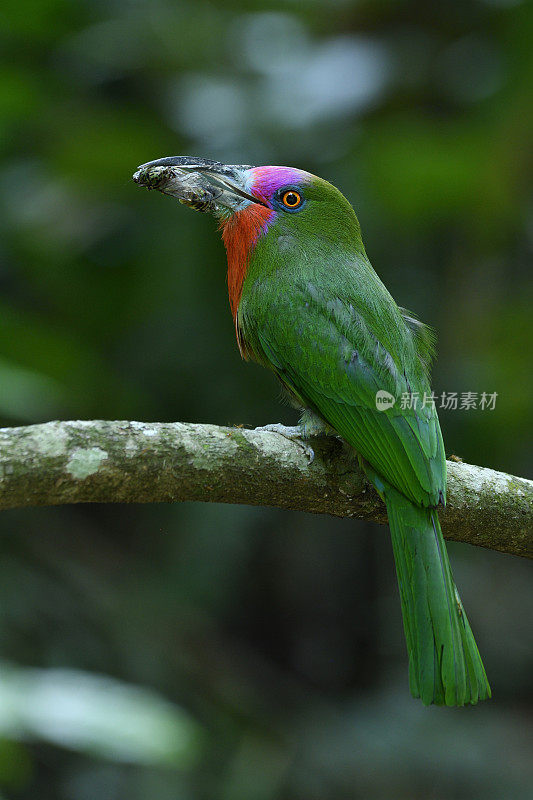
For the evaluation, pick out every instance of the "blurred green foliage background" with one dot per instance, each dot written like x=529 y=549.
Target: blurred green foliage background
x=227 y=653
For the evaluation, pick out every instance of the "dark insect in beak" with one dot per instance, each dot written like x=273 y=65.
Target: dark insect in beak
x=199 y=183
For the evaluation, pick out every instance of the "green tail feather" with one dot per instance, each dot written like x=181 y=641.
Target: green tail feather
x=445 y=667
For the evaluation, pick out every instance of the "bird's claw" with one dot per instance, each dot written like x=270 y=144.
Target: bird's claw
x=293 y=433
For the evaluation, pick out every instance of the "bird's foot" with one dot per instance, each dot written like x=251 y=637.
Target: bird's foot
x=288 y=431
x=293 y=433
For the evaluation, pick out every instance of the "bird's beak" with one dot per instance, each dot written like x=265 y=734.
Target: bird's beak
x=202 y=184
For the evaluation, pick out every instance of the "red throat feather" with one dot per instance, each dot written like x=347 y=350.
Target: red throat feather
x=240 y=233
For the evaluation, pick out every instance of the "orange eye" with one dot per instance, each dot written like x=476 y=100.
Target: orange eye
x=291 y=199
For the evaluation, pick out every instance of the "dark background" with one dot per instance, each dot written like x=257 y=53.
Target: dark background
x=227 y=653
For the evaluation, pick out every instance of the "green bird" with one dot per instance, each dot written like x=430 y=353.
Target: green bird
x=308 y=305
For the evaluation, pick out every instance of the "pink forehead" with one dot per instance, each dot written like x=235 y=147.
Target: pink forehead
x=268 y=180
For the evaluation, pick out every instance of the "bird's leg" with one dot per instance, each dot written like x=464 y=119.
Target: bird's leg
x=294 y=433
x=310 y=425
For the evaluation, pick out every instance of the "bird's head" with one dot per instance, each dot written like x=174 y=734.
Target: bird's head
x=284 y=208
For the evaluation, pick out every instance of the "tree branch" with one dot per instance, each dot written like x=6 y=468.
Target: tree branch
x=137 y=462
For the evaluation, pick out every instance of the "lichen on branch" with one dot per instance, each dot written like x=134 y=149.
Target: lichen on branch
x=139 y=462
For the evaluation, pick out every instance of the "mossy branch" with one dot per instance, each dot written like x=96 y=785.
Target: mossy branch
x=137 y=462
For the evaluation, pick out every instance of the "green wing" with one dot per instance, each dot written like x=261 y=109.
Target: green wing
x=334 y=356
